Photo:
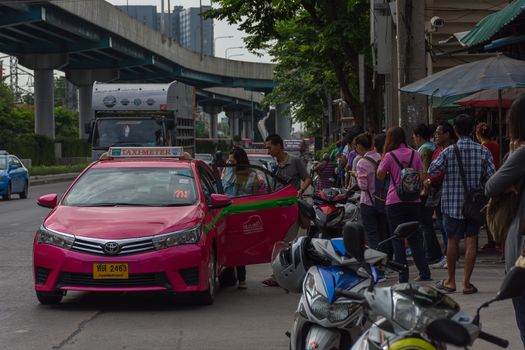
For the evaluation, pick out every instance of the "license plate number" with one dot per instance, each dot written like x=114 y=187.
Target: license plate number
x=110 y=271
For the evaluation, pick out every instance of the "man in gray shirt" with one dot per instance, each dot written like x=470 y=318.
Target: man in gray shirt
x=291 y=169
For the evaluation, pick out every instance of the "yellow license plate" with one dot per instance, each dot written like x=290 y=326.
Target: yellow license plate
x=110 y=271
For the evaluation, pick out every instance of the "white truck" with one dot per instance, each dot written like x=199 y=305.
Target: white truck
x=142 y=115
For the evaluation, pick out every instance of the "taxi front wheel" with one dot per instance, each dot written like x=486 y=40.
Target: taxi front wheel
x=49 y=298
x=208 y=296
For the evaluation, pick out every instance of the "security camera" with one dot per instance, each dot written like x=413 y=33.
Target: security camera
x=437 y=22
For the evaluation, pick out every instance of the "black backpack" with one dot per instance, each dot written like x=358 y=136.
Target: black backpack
x=379 y=197
x=475 y=199
x=409 y=188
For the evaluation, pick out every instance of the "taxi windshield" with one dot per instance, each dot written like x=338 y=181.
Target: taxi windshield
x=3 y=163
x=152 y=187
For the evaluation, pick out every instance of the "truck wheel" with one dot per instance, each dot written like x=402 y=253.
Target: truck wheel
x=208 y=296
x=7 y=196
x=24 y=193
x=228 y=277
x=49 y=298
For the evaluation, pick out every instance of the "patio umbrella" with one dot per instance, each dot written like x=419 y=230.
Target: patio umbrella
x=494 y=73
x=489 y=98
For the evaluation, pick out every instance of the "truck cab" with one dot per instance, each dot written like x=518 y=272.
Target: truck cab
x=141 y=115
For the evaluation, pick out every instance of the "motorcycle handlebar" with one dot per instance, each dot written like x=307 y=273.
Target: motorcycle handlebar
x=503 y=343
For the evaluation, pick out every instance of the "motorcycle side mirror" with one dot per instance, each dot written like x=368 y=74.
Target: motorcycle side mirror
x=406 y=229
x=448 y=331
x=513 y=285
x=354 y=241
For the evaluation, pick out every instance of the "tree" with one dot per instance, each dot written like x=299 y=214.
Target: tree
x=338 y=31
x=66 y=122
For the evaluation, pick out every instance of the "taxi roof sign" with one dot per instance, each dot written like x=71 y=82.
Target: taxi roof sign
x=146 y=152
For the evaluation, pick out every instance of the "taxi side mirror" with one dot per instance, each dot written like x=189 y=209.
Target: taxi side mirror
x=219 y=201
x=47 y=201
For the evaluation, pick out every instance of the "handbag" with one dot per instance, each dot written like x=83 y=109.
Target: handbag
x=474 y=199
x=501 y=210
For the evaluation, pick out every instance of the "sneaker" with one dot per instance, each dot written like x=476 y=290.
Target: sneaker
x=242 y=285
x=441 y=264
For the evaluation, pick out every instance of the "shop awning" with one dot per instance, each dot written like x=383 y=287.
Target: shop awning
x=489 y=26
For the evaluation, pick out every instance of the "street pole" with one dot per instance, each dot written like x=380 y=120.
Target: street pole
x=411 y=60
x=231 y=48
x=253 y=120
x=170 y=22
x=217 y=38
x=202 y=29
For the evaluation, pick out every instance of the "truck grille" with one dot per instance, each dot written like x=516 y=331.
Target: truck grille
x=158 y=279
x=127 y=246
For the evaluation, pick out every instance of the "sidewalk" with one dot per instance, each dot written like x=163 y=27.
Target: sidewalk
x=48 y=179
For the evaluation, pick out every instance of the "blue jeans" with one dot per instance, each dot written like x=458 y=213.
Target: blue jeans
x=432 y=247
x=400 y=213
x=519 y=309
x=376 y=228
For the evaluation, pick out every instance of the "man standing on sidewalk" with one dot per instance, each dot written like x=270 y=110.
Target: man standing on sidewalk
x=478 y=166
x=292 y=170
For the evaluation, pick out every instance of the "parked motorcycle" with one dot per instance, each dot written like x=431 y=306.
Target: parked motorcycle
x=331 y=209
x=410 y=316
x=318 y=268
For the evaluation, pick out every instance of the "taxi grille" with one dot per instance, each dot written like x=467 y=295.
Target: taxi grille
x=158 y=279
x=127 y=246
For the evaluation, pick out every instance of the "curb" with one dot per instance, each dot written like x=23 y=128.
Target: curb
x=48 y=179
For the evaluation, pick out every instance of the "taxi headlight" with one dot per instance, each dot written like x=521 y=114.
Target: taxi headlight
x=47 y=236
x=172 y=239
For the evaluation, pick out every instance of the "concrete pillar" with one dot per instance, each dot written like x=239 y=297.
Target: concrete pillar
x=84 y=80
x=43 y=66
x=44 y=103
x=213 y=112
x=236 y=122
x=411 y=62
x=283 y=122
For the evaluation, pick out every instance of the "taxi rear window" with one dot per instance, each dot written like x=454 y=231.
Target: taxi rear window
x=152 y=187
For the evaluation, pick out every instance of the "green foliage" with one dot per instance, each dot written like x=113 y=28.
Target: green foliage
x=74 y=147
x=200 y=129
x=57 y=169
x=40 y=149
x=66 y=122
x=315 y=44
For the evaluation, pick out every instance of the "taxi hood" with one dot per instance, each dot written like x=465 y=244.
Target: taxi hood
x=122 y=222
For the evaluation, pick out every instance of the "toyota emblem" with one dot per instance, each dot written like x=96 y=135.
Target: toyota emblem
x=111 y=248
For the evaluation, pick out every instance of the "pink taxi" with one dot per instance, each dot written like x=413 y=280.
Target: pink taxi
x=145 y=220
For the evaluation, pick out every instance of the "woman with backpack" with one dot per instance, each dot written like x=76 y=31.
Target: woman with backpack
x=402 y=201
x=373 y=192
x=509 y=180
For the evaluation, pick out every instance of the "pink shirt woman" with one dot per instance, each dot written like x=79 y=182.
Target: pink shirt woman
x=366 y=176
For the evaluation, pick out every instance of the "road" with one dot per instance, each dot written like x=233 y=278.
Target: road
x=255 y=318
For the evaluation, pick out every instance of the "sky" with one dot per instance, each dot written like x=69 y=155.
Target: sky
x=222 y=28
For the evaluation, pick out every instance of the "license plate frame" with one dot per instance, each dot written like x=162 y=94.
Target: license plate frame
x=110 y=271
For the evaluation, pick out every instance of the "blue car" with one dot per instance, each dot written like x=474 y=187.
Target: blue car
x=14 y=177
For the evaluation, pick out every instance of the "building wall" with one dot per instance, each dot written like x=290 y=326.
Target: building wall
x=459 y=16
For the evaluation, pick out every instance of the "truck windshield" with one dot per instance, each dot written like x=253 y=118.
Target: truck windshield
x=151 y=187
x=145 y=132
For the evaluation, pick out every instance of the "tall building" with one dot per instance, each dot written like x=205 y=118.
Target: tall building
x=185 y=25
x=143 y=13
x=191 y=30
